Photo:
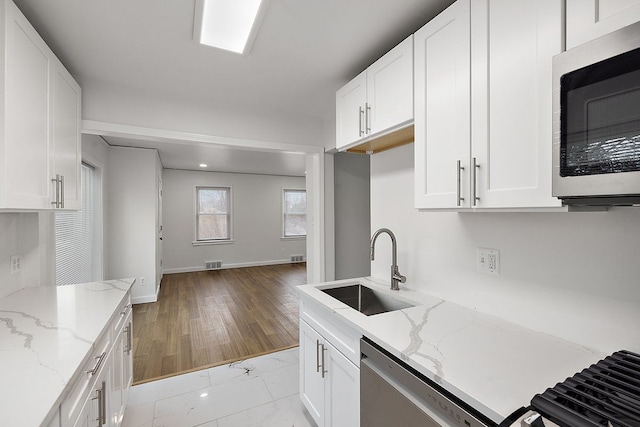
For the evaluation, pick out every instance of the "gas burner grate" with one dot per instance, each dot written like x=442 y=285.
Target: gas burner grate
x=605 y=394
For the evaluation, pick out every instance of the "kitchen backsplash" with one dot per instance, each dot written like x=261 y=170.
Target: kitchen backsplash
x=560 y=272
x=19 y=236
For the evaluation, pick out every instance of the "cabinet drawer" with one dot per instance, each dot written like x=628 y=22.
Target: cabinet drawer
x=342 y=336
x=79 y=391
x=121 y=314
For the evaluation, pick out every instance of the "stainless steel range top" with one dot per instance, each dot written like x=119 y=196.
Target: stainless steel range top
x=605 y=394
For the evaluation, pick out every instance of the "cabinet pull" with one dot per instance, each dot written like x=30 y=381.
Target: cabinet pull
x=100 y=360
x=367 y=118
x=475 y=167
x=129 y=338
x=324 y=371
x=56 y=180
x=103 y=413
x=458 y=170
x=61 y=203
x=360 y=114
x=317 y=356
x=126 y=310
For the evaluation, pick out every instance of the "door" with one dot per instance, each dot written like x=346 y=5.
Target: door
x=342 y=389
x=590 y=19
x=442 y=109
x=159 y=252
x=66 y=151
x=512 y=46
x=350 y=111
x=26 y=139
x=311 y=380
x=390 y=88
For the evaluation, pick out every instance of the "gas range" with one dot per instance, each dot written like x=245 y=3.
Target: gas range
x=604 y=394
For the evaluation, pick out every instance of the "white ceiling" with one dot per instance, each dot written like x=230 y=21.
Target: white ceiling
x=304 y=51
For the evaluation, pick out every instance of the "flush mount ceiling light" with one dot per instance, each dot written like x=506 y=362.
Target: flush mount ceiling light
x=203 y=165
x=228 y=24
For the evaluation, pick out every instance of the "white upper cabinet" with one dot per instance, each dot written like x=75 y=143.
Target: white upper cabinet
x=39 y=121
x=350 y=111
x=442 y=109
x=483 y=105
x=378 y=100
x=66 y=147
x=590 y=19
x=512 y=46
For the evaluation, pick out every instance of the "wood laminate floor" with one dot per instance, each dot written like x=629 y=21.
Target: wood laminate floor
x=208 y=318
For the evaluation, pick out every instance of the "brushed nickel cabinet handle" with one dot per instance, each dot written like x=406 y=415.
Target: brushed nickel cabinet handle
x=475 y=166
x=317 y=356
x=62 y=191
x=367 y=117
x=459 y=168
x=56 y=180
x=324 y=371
x=100 y=360
x=360 y=115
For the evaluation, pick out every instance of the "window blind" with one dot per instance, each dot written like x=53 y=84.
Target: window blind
x=77 y=245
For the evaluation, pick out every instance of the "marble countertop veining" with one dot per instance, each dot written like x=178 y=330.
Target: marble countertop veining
x=492 y=364
x=45 y=335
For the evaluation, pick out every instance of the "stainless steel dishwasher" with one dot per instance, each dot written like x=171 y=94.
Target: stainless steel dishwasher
x=392 y=395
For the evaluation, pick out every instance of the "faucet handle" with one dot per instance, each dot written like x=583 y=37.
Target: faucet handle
x=399 y=277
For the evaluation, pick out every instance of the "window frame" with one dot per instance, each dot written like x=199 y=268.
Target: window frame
x=284 y=214
x=229 y=239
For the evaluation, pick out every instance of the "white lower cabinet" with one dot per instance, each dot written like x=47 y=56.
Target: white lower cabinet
x=98 y=397
x=329 y=381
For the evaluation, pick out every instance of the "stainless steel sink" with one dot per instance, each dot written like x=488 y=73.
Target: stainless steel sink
x=366 y=300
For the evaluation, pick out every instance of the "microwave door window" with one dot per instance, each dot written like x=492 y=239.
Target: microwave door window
x=601 y=119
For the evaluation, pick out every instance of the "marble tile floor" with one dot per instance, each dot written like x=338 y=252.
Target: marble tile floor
x=262 y=391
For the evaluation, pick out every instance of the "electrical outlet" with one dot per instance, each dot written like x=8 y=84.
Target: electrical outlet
x=488 y=261
x=143 y=281
x=15 y=261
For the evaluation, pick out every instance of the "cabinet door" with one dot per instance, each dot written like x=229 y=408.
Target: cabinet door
x=442 y=109
x=513 y=43
x=390 y=89
x=66 y=151
x=26 y=138
x=590 y=19
x=127 y=361
x=350 y=111
x=342 y=390
x=311 y=381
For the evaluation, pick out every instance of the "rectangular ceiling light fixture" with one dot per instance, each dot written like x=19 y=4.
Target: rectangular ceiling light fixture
x=228 y=24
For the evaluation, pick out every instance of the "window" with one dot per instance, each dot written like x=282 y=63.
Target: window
x=213 y=214
x=295 y=213
x=77 y=235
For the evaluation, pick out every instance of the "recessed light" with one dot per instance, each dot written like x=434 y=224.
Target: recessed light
x=228 y=24
x=203 y=165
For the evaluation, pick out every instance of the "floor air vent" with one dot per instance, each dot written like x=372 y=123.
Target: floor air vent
x=297 y=258
x=212 y=265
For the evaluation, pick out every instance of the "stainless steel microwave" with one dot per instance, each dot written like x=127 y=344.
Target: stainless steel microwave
x=596 y=121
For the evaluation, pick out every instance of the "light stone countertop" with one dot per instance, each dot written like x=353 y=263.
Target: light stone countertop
x=493 y=365
x=45 y=335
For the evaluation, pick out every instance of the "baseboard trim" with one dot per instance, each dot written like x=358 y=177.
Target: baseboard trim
x=228 y=266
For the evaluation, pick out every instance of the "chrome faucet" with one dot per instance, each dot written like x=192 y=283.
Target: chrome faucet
x=395 y=274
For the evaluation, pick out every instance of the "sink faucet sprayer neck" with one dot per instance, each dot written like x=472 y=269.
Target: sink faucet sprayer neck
x=396 y=277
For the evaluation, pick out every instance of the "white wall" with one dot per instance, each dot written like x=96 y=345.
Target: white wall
x=256 y=216
x=575 y=275
x=131 y=206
